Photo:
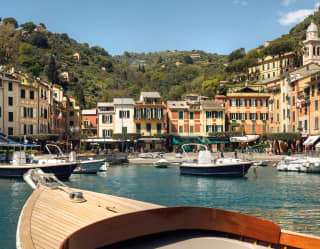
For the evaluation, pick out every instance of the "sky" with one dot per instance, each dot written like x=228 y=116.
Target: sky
x=215 y=26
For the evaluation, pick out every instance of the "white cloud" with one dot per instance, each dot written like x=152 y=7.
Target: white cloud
x=288 y=2
x=296 y=16
x=240 y=2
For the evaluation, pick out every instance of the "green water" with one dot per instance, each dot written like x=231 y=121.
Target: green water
x=287 y=198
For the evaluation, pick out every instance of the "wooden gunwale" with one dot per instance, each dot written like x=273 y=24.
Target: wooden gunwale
x=50 y=220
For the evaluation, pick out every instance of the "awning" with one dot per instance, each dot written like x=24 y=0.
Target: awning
x=4 y=144
x=187 y=140
x=311 y=140
x=215 y=140
x=150 y=139
x=100 y=140
x=244 y=139
x=318 y=145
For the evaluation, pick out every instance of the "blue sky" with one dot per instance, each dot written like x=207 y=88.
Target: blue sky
x=217 y=26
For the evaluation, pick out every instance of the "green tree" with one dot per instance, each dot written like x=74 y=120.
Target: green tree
x=28 y=27
x=30 y=64
x=237 y=54
x=42 y=25
x=9 y=43
x=79 y=95
x=159 y=60
x=210 y=87
x=11 y=20
x=187 y=59
x=25 y=49
x=39 y=40
x=51 y=71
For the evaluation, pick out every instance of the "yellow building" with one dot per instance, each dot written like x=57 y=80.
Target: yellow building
x=9 y=111
x=149 y=114
x=150 y=121
x=271 y=67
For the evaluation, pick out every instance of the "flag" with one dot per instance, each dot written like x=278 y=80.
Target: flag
x=59 y=116
x=298 y=103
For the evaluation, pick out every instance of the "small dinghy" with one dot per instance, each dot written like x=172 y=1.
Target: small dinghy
x=161 y=163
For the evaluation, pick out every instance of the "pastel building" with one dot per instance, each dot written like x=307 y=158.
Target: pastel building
x=9 y=88
x=213 y=117
x=106 y=119
x=124 y=115
x=271 y=67
x=149 y=114
x=150 y=121
x=248 y=111
x=89 y=123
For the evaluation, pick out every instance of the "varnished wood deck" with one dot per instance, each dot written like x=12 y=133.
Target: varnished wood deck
x=49 y=216
x=50 y=220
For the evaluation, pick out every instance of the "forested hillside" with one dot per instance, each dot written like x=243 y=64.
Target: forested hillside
x=94 y=75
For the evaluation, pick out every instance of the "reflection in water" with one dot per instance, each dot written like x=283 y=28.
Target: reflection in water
x=288 y=198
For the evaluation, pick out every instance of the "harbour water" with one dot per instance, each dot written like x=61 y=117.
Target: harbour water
x=288 y=198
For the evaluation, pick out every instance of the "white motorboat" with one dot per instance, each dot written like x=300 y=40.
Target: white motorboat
x=299 y=164
x=230 y=167
x=90 y=166
x=161 y=163
x=20 y=164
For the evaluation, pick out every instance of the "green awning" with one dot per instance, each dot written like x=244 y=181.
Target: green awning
x=215 y=140
x=187 y=140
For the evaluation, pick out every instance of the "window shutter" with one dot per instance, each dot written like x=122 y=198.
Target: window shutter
x=267 y=116
x=207 y=128
x=237 y=102
x=237 y=116
x=261 y=118
x=245 y=116
x=128 y=114
x=230 y=102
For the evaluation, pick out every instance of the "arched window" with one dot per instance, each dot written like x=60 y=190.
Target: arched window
x=318 y=51
x=314 y=50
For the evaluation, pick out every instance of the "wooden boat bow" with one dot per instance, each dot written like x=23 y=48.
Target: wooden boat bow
x=50 y=220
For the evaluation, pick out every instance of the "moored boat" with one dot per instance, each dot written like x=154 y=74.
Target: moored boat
x=19 y=166
x=161 y=163
x=90 y=166
x=299 y=164
x=56 y=216
x=221 y=167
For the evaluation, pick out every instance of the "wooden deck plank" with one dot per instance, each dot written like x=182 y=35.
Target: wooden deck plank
x=52 y=211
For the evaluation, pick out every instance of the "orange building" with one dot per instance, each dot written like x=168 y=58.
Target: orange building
x=248 y=111
x=89 y=122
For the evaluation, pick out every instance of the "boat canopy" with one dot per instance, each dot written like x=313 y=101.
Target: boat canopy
x=6 y=142
x=311 y=140
x=244 y=139
x=187 y=140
